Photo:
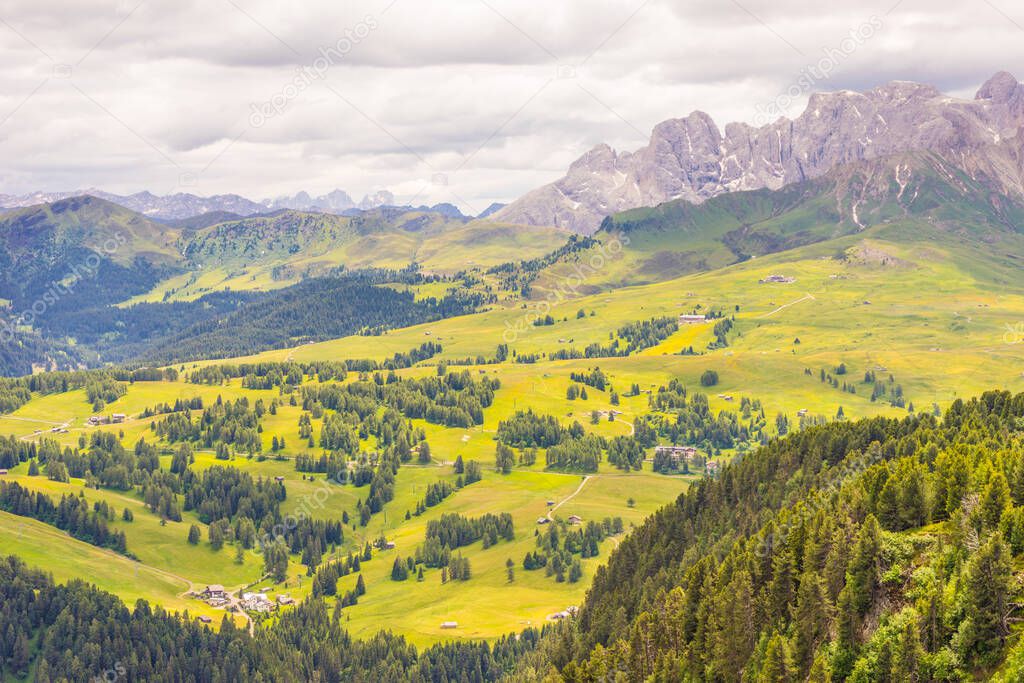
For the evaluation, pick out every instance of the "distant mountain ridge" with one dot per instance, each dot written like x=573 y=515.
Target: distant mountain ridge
x=184 y=205
x=691 y=159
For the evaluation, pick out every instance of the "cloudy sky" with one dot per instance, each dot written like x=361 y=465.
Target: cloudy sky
x=466 y=101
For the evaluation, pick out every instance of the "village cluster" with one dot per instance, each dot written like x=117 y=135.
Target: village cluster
x=256 y=602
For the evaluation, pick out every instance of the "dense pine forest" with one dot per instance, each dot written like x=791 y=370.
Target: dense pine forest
x=879 y=550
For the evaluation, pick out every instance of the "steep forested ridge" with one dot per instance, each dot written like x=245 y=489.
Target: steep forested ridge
x=870 y=551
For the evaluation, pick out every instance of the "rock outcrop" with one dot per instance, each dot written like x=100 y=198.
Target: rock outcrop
x=692 y=159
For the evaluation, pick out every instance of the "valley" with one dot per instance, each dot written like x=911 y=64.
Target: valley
x=762 y=425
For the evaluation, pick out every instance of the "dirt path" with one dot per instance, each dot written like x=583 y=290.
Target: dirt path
x=572 y=495
x=807 y=297
x=28 y=419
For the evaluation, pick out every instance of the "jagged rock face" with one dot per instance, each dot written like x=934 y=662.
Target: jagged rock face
x=691 y=159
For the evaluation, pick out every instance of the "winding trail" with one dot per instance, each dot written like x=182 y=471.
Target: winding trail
x=806 y=297
x=572 y=495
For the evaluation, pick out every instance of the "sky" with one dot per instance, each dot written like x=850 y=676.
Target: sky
x=461 y=101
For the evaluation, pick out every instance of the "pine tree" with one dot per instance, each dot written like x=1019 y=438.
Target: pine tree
x=810 y=618
x=986 y=596
x=995 y=500
x=778 y=664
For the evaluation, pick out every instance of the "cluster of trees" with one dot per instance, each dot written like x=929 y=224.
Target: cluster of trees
x=633 y=337
x=686 y=419
x=226 y=492
x=452 y=530
x=560 y=548
x=577 y=452
x=71 y=514
x=225 y=423
x=469 y=472
x=334 y=465
x=887 y=389
x=92 y=634
x=519 y=276
x=455 y=399
x=527 y=429
x=592 y=378
x=721 y=332
x=103 y=460
x=246 y=511
x=17 y=391
x=626 y=453
x=820 y=576
x=285 y=376
x=14 y=451
x=103 y=390
x=568 y=448
x=325 y=582
x=832 y=378
x=178 y=406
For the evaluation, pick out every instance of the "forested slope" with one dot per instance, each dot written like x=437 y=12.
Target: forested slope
x=870 y=551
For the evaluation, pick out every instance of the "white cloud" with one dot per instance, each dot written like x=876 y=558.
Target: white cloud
x=467 y=88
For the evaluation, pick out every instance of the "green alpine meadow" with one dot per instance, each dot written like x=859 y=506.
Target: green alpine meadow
x=576 y=383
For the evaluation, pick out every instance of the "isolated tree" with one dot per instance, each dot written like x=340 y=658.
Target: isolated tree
x=399 y=572
x=424 y=456
x=194 y=535
x=510 y=570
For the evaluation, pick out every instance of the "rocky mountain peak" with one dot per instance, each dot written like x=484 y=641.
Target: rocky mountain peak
x=1002 y=87
x=689 y=158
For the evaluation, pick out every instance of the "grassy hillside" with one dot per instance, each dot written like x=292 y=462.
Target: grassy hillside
x=914 y=189
x=268 y=252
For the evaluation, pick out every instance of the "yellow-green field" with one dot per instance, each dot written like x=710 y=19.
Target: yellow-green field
x=910 y=310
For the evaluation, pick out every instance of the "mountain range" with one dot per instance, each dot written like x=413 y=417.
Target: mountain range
x=183 y=205
x=692 y=159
